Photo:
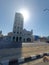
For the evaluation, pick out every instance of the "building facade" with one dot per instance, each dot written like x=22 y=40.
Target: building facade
x=20 y=34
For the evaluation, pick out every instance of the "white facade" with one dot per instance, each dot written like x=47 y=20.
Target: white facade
x=20 y=34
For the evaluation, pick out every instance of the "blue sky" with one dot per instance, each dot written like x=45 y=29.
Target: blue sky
x=39 y=19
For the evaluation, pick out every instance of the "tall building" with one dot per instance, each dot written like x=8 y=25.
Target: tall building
x=18 y=27
x=20 y=34
x=18 y=23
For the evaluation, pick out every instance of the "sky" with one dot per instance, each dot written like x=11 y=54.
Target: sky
x=38 y=21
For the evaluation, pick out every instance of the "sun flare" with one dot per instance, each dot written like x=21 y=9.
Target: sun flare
x=25 y=14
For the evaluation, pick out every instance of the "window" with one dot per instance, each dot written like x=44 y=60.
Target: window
x=13 y=38
x=13 y=32
x=20 y=32
x=24 y=40
x=18 y=27
x=14 y=26
x=17 y=32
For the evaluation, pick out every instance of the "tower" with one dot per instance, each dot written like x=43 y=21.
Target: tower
x=18 y=27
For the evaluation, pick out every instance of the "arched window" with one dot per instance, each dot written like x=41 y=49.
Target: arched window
x=20 y=39
x=24 y=39
x=13 y=38
x=28 y=40
x=16 y=39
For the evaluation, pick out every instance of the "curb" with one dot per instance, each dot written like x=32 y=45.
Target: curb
x=24 y=60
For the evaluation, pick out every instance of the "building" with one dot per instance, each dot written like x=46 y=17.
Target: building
x=36 y=38
x=1 y=35
x=43 y=39
x=20 y=34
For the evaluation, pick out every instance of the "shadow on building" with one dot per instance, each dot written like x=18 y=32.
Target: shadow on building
x=11 y=50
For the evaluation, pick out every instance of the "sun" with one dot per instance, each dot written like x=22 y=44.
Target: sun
x=25 y=14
